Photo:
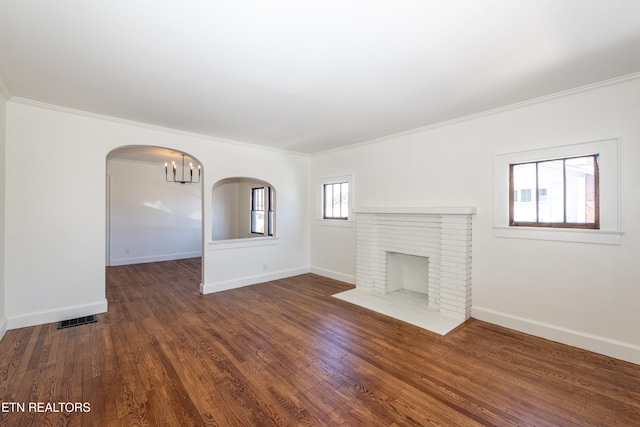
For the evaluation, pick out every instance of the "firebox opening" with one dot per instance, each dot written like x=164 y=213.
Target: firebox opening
x=409 y=272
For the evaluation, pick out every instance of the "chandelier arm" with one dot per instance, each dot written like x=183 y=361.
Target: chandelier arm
x=183 y=180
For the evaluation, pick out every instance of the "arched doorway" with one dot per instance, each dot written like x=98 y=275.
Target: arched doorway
x=149 y=217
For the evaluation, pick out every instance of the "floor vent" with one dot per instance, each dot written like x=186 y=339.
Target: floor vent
x=77 y=322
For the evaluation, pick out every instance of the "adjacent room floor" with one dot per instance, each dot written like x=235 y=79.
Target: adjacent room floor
x=288 y=353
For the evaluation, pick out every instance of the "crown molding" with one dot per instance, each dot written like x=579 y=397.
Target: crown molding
x=4 y=91
x=532 y=101
x=143 y=125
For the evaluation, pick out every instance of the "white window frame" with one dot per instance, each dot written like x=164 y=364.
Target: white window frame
x=609 y=170
x=350 y=221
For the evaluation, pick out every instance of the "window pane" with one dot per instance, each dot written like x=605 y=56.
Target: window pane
x=257 y=222
x=328 y=197
x=336 y=200
x=552 y=193
x=550 y=178
x=259 y=199
x=580 y=190
x=344 y=202
x=524 y=181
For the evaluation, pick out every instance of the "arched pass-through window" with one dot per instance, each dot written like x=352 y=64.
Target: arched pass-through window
x=243 y=208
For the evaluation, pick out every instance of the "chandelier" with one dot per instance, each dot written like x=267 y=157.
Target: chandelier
x=183 y=180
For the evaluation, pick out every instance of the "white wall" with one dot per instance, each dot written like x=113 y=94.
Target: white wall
x=55 y=209
x=151 y=219
x=582 y=294
x=3 y=108
x=226 y=210
x=244 y=262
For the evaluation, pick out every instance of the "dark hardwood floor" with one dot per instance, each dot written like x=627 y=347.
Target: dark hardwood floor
x=287 y=353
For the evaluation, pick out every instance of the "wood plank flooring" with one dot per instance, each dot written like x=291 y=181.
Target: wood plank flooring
x=287 y=353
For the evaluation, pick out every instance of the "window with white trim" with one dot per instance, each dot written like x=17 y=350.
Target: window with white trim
x=336 y=200
x=590 y=217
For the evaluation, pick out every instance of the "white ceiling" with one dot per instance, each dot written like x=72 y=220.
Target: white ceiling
x=309 y=76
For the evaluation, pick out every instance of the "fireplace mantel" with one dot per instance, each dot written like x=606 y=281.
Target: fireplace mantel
x=416 y=210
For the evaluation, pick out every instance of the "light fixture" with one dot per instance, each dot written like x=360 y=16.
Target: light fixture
x=183 y=180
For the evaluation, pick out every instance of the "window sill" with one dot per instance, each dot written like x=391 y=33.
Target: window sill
x=349 y=223
x=247 y=242
x=602 y=237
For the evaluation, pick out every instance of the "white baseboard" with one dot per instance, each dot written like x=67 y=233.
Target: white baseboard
x=609 y=347
x=65 y=313
x=207 y=288
x=347 y=278
x=153 y=258
x=3 y=327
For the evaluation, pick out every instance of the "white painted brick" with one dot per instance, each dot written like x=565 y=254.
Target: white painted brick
x=444 y=239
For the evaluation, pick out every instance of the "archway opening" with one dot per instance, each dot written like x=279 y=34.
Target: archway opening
x=149 y=216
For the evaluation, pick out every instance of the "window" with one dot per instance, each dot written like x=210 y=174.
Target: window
x=542 y=194
x=270 y=208
x=336 y=200
x=257 y=210
x=261 y=204
x=566 y=189
x=607 y=203
x=335 y=197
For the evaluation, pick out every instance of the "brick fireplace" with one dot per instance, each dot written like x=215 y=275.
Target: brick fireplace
x=439 y=236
